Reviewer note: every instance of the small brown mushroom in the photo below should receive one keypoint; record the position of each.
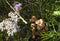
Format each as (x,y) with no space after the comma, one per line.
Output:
(41,25)
(33,19)
(33,30)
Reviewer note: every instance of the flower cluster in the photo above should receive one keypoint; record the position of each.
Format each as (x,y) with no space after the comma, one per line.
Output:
(10,24)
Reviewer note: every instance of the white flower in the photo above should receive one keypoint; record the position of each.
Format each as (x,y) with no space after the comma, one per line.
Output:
(10,24)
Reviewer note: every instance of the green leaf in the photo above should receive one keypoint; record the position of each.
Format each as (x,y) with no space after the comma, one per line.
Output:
(56,13)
